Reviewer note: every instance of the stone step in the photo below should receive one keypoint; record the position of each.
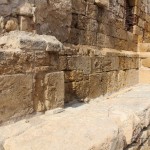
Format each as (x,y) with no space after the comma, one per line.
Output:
(117,123)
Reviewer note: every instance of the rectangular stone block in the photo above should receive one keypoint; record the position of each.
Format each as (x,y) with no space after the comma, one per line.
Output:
(95,85)
(110,82)
(15,96)
(110,63)
(144,47)
(132,77)
(54,90)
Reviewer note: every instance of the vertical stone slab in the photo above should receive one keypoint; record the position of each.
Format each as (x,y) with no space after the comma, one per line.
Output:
(15,96)
(96,85)
(132,77)
(54,90)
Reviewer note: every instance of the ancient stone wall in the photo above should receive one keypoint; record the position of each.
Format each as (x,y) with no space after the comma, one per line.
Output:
(40,16)
(98,55)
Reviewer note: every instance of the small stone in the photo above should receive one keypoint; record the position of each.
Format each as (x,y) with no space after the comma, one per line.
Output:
(54,111)
(11,25)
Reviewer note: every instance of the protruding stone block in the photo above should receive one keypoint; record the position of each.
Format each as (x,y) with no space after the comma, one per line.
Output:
(15,96)
(29,41)
(54,90)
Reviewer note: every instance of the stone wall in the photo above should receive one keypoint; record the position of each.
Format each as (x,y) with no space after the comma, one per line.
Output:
(29,76)
(40,16)
(98,55)
(87,22)
(90,73)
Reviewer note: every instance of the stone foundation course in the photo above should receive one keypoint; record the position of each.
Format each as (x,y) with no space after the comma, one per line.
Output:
(39,73)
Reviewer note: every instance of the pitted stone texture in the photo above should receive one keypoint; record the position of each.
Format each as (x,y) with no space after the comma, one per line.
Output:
(54,90)
(146,62)
(29,41)
(15,96)
(113,123)
(57,17)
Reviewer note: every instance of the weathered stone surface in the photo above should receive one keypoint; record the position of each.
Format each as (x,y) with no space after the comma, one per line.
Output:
(57,15)
(144,47)
(113,123)
(96,85)
(24,40)
(3,2)
(26,10)
(15,96)
(146,62)
(11,25)
(54,90)
(132,77)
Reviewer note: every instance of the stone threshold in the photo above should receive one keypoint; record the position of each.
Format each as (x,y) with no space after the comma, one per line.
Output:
(119,122)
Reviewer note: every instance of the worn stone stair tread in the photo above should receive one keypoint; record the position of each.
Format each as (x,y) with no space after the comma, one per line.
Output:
(101,124)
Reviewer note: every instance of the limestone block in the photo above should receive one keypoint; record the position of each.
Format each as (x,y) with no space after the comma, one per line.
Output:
(46,11)
(121,79)
(79,6)
(26,23)
(146,62)
(97,64)
(11,25)
(132,77)
(3,2)
(6,10)
(96,85)
(81,89)
(25,40)
(124,62)
(110,80)
(110,63)
(26,10)
(74,75)
(53,45)
(102,3)
(79,63)
(84,64)
(54,90)
(15,96)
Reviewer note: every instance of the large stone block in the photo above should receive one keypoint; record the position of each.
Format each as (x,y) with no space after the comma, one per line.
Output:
(146,62)
(48,91)
(110,63)
(95,85)
(57,15)
(54,90)
(144,47)
(15,96)
(132,77)
(102,3)
(29,41)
